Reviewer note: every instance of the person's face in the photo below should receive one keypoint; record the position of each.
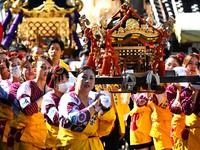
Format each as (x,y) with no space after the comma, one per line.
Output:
(86,80)
(3,67)
(38,50)
(63,79)
(15,62)
(192,66)
(55,51)
(2,58)
(171,63)
(42,69)
(28,71)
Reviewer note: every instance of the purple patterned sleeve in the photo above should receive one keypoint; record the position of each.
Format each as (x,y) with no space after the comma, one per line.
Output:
(73,114)
(171,92)
(13,91)
(49,108)
(187,102)
(77,115)
(52,115)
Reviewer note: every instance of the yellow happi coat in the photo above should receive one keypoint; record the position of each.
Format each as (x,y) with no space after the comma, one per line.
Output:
(178,124)
(33,127)
(6,115)
(64,65)
(161,124)
(89,137)
(121,109)
(193,142)
(52,132)
(143,123)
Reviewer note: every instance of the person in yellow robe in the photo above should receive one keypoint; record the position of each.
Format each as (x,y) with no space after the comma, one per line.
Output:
(6,115)
(140,124)
(30,119)
(161,121)
(84,116)
(190,105)
(57,80)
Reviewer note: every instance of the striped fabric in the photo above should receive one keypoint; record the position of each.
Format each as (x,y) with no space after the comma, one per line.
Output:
(27,95)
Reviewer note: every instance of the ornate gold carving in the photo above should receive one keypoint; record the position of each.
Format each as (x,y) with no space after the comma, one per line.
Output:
(41,27)
(47,9)
(45,21)
(134,30)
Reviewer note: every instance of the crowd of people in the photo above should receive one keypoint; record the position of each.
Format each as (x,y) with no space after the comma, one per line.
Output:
(44,106)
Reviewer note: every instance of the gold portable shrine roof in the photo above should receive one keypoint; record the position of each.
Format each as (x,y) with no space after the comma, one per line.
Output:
(47,9)
(47,21)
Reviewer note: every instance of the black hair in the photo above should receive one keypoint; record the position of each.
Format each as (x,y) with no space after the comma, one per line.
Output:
(17,47)
(2,47)
(28,59)
(60,42)
(53,76)
(7,63)
(80,70)
(43,57)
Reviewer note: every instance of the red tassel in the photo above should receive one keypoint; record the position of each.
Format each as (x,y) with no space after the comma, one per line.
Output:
(115,58)
(91,61)
(161,68)
(105,70)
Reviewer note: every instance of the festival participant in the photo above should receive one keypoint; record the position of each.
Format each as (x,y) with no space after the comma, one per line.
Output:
(173,98)
(174,61)
(36,51)
(161,120)
(140,114)
(4,65)
(141,122)
(6,114)
(20,49)
(4,75)
(83,119)
(27,74)
(55,51)
(57,79)
(190,104)
(191,63)
(30,119)
(27,68)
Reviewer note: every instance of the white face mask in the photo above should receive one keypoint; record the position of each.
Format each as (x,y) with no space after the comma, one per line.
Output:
(63,87)
(16,72)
